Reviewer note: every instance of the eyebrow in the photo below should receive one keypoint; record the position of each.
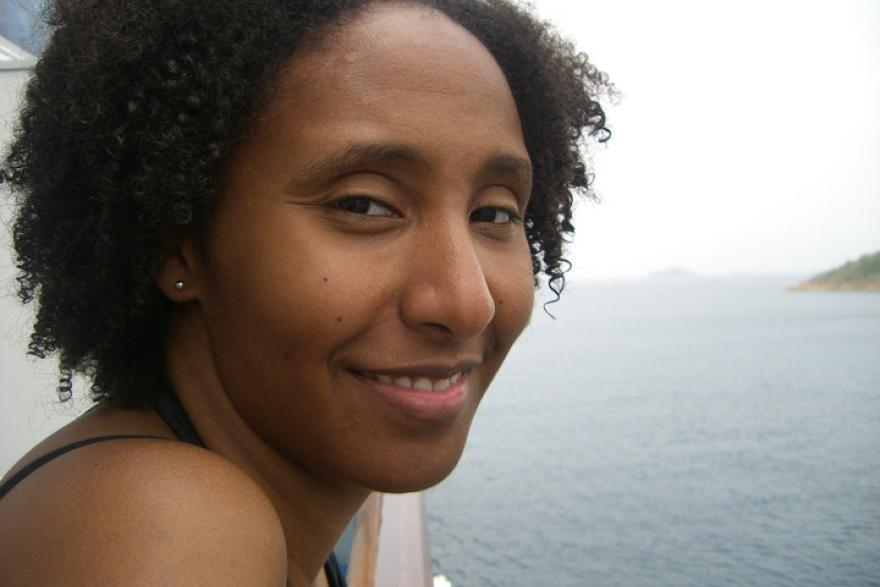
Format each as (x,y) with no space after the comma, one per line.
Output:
(370,155)
(511,165)
(362,155)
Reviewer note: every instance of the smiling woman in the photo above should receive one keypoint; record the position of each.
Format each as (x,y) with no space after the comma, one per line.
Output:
(301,236)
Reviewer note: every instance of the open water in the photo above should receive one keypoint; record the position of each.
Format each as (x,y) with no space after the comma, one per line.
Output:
(674,433)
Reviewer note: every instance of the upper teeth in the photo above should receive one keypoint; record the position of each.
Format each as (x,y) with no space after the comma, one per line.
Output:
(424,383)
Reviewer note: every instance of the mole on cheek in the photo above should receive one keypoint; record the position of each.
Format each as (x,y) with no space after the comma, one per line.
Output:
(339,319)
(326,279)
(500,302)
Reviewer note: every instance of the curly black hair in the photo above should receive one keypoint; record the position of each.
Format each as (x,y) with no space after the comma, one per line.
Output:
(132,110)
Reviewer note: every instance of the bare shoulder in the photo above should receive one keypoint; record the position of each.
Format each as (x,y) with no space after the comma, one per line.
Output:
(140,512)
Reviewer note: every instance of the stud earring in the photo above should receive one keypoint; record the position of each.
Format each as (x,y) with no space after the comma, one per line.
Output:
(178,285)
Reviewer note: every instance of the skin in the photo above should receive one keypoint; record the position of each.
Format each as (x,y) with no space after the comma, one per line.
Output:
(367,224)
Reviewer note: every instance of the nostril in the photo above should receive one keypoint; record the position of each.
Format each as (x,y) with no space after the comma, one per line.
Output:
(440,329)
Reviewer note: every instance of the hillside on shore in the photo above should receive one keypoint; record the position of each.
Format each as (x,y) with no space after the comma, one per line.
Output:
(862,274)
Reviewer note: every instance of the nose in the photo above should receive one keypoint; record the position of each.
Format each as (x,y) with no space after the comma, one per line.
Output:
(447,296)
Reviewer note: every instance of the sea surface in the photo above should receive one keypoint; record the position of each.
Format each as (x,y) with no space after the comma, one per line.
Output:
(675,432)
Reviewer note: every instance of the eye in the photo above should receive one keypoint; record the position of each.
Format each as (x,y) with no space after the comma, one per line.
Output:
(362,205)
(494,215)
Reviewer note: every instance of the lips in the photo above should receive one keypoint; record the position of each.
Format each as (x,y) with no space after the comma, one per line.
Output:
(420,395)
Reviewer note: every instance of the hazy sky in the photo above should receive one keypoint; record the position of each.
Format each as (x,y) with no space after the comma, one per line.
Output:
(746,138)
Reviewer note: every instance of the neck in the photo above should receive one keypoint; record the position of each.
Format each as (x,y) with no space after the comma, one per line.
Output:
(313,512)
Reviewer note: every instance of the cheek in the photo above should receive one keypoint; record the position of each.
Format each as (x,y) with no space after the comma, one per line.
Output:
(514,293)
(301,311)
(276,271)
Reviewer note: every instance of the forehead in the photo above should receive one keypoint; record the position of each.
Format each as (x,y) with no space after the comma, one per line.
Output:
(393,63)
(389,38)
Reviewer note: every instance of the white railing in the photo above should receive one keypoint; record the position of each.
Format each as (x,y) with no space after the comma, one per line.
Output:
(390,547)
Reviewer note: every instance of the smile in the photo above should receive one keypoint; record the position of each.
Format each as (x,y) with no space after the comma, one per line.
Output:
(435,397)
(416,382)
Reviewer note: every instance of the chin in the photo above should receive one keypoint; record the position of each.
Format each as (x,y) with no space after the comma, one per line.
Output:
(408,482)
(415,469)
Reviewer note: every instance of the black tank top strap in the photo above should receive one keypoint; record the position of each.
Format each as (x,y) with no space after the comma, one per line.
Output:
(172,413)
(19,476)
(169,409)
(335,578)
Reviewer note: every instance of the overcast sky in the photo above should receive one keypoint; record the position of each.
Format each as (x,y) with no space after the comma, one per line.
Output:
(746,138)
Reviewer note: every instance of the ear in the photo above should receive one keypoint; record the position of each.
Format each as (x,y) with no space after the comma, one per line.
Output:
(177,273)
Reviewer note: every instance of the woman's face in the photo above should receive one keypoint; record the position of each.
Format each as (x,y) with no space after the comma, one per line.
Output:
(368,245)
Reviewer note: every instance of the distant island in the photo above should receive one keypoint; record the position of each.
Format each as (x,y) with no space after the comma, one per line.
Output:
(862,274)
(674,272)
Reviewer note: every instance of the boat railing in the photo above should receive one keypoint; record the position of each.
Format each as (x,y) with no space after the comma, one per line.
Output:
(390,547)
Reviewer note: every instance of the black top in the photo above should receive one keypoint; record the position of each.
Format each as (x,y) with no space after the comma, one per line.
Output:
(175,417)
(35,464)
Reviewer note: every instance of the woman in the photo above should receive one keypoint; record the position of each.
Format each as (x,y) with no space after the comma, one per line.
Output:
(301,235)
